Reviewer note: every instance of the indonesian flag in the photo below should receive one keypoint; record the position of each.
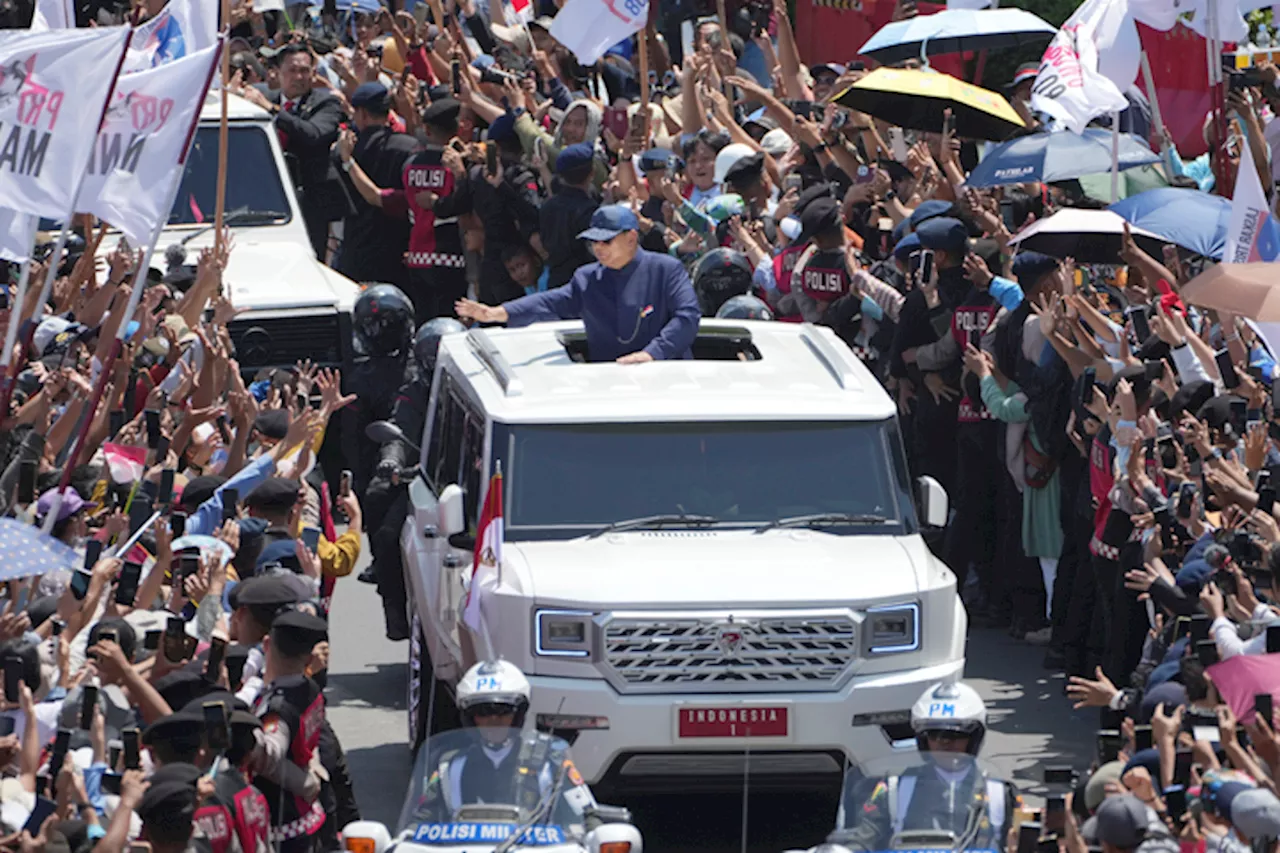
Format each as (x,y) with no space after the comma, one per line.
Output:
(125,462)
(486,571)
(1252,232)
(523,10)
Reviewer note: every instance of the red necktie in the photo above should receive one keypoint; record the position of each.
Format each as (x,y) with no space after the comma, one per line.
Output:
(286,107)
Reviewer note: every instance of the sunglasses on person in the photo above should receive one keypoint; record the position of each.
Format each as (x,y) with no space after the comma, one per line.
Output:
(946,736)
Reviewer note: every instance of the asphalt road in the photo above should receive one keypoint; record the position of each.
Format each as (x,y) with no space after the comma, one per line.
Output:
(1031,725)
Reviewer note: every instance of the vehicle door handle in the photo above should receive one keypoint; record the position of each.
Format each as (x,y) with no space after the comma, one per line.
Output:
(452,561)
(430,532)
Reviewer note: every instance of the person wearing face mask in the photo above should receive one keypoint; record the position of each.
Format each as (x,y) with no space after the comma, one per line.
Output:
(636,306)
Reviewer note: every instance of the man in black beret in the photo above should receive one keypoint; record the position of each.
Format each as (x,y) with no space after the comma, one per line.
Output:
(278,502)
(292,713)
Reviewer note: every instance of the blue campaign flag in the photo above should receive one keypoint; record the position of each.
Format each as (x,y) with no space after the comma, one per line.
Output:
(26,552)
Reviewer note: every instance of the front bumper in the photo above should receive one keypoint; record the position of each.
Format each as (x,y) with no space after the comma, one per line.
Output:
(642,744)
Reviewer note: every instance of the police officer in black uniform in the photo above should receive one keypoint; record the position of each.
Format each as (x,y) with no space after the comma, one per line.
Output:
(382,329)
(387,496)
(718,276)
(291,708)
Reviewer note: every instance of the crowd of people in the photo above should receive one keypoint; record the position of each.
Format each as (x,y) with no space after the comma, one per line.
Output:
(1107,446)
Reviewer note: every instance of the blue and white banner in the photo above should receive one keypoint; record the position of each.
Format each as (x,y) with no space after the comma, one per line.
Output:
(182,27)
(591,27)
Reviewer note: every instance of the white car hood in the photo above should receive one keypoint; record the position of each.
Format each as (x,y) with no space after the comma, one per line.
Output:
(679,569)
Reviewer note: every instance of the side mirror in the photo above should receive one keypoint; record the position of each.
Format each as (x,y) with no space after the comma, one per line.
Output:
(615,838)
(933,502)
(451,516)
(365,836)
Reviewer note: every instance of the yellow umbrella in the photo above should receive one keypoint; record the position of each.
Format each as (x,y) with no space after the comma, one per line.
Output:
(916,99)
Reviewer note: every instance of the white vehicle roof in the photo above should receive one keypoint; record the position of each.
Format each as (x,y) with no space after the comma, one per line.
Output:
(805,372)
(238,109)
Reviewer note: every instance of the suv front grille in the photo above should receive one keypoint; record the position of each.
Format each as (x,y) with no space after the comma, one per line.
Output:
(729,652)
(277,340)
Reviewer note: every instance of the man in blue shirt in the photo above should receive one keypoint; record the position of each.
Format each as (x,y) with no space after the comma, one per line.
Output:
(637,306)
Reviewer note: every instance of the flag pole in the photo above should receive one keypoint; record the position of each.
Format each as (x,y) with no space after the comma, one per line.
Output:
(220,199)
(645,88)
(1154,98)
(1115,157)
(135,298)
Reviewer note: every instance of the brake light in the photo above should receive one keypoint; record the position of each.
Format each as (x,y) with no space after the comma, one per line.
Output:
(359,845)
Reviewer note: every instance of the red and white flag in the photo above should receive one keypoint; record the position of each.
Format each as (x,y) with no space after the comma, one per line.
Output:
(53,86)
(486,567)
(125,462)
(142,145)
(523,10)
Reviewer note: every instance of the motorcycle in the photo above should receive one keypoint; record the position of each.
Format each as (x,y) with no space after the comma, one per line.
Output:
(564,819)
(936,802)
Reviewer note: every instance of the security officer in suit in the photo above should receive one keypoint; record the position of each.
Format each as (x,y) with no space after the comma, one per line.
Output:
(947,792)
(306,121)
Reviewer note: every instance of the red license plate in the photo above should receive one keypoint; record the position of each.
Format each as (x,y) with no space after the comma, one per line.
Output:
(733,722)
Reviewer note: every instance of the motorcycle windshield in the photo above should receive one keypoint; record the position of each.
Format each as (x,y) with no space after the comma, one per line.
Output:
(480,786)
(935,802)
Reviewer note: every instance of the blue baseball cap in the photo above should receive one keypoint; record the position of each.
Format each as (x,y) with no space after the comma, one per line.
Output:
(931,209)
(610,221)
(503,126)
(1029,266)
(907,245)
(574,156)
(943,233)
(369,94)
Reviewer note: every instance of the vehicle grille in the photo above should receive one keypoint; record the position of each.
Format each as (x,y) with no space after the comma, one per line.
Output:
(730,653)
(269,340)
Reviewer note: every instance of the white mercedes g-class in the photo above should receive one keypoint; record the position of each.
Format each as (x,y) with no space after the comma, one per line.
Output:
(706,562)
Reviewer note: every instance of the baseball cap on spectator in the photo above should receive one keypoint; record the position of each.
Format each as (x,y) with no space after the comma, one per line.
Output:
(502,127)
(907,245)
(656,159)
(273,423)
(826,68)
(1193,575)
(71,504)
(1026,71)
(274,494)
(1218,792)
(761,119)
(745,169)
(729,156)
(574,157)
(1190,397)
(1171,694)
(370,95)
(777,142)
(943,232)
(1122,821)
(1149,759)
(823,214)
(1029,266)
(610,221)
(200,489)
(931,209)
(442,112)
(1256,814)
(1095,790)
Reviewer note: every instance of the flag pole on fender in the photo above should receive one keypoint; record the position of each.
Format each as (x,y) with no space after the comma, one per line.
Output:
(139,282)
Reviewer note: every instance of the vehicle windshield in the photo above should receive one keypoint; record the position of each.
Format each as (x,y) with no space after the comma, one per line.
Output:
(935,801)
(479,785)
(253,181)
(737,473)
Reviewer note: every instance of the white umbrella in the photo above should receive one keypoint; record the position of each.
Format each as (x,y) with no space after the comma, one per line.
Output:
(1089,236)
(955,31)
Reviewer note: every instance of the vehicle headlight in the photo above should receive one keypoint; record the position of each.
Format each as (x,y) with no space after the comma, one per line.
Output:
(562,633)
(893,628)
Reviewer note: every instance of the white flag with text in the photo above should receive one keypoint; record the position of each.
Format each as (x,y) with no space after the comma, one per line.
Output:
(591,27)
(1070,87)
(53,15)
(181,28)
(142,145)
(53,85)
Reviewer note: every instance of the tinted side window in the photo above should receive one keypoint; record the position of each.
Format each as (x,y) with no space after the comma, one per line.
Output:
(471,476)
(435,442)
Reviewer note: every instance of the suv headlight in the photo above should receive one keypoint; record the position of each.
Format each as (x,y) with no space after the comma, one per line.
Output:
(893,628)
(562,633)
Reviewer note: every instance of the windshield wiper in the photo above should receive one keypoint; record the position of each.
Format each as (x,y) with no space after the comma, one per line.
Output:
(820,519)
(240,216)
(656,521)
